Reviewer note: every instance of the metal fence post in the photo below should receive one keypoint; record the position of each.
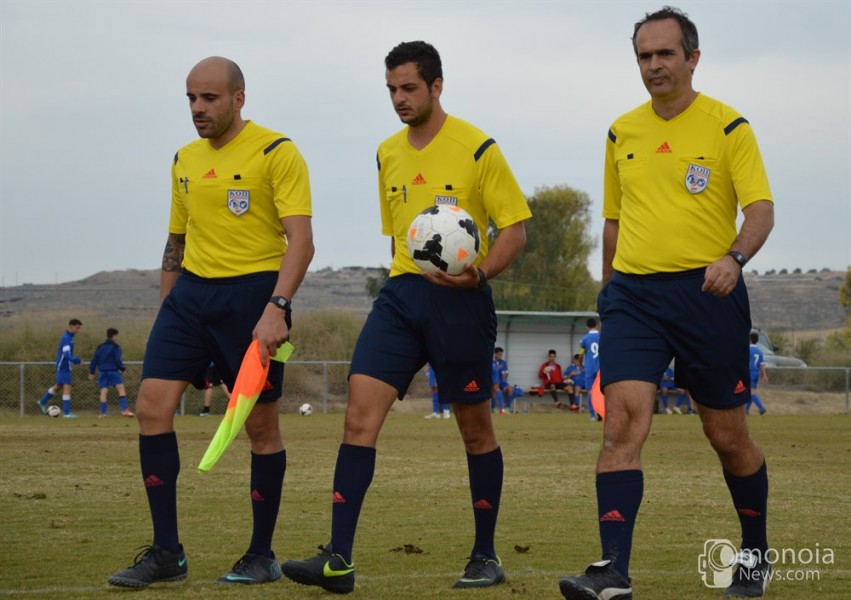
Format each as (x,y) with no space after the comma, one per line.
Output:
(324,388)
(847,390)
(21,389)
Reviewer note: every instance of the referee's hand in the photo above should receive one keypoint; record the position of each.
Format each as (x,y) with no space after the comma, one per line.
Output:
(721,276)
(270,332)
(468,278)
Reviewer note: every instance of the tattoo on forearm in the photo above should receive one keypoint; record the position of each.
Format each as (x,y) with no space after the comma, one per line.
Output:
(173,254)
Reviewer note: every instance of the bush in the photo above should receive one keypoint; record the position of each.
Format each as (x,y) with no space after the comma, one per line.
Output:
(807,350)
(317,335)
(325,334)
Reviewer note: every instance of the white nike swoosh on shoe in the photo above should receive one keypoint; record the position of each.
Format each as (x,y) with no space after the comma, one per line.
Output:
(609,593)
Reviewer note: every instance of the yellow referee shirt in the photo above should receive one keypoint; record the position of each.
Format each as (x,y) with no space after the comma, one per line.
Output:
(229,202)
(462,167)
(675,186)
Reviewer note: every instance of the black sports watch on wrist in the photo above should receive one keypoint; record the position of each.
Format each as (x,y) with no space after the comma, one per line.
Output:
(281,302)
(739,258)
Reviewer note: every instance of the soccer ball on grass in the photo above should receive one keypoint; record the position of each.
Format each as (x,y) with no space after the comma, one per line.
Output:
(305,410)
(443,238)
(53,411)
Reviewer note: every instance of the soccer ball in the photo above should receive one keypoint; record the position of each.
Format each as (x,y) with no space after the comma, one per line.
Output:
(54,411)
(305,410)
(443,238)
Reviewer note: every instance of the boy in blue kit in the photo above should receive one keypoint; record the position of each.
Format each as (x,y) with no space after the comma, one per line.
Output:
(64,359)
(757,364)
(503,394)
(665,386)
(107,360)
(574,377)
(437,407)
(589,358)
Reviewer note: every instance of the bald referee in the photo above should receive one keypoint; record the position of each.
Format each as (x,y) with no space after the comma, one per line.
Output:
(239,243)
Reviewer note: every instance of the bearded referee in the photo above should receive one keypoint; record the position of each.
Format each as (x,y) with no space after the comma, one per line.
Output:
(447,321)
(239,243)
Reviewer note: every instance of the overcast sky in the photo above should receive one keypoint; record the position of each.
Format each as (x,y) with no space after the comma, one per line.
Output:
(93,108)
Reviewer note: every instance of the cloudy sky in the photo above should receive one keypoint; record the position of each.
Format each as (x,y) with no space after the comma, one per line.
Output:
(92,109)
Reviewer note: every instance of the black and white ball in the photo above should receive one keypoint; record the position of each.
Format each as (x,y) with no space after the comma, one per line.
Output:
(443,238)
(305,410)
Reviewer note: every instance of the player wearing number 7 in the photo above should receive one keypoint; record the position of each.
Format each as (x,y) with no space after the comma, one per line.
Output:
(64,359)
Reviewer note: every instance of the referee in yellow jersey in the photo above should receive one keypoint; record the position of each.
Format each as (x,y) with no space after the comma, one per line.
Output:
(444,320)
(239,243)
(677,170)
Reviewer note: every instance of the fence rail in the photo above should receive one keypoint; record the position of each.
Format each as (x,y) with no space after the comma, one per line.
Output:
(814,390)
(320,383)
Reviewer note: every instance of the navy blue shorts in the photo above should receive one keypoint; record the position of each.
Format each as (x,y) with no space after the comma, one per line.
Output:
(107,379)
(413,322)
(204,320)
(649,319)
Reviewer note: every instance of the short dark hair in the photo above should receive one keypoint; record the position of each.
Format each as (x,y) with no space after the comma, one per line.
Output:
(754,337)
(75,322)
(111,332)
(687,27)
(575,357)
(423,54)
(498,349)
(591,322)
(551,351)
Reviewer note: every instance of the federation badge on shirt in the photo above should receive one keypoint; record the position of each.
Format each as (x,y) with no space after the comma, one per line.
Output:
(239,201)
(697,178)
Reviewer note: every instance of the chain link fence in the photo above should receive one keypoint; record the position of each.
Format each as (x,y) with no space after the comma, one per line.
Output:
(323,384)
(810,391)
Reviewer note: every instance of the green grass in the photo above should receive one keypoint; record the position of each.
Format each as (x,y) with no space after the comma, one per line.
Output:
(74,508)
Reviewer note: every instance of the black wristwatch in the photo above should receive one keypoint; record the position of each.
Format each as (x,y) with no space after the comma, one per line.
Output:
(739,258)
(281,302)
(483,280)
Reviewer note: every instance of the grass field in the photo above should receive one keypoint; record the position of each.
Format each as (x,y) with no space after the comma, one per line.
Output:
(74,507)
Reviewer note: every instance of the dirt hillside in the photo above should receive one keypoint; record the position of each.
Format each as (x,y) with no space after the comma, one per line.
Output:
(779,302)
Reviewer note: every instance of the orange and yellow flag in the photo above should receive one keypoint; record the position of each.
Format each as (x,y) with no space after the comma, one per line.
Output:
(249,383)
(598,401)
